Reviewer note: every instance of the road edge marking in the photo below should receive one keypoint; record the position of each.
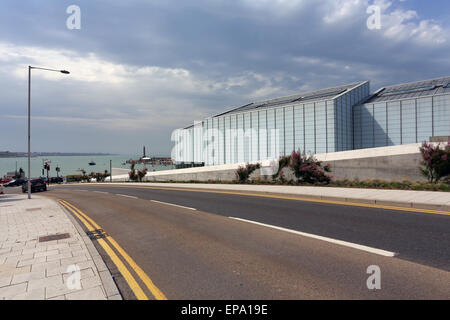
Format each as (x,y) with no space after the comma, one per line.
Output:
(380,252)
(155,291)
(137,290)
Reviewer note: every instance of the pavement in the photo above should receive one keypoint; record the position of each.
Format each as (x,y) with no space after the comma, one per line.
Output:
(193,243)
(404,198)
(37,268)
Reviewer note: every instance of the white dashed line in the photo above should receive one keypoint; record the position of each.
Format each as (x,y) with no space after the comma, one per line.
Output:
(313,236)
(174,205)
(127,196)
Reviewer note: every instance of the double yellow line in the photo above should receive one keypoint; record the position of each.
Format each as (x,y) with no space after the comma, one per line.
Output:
(92,227)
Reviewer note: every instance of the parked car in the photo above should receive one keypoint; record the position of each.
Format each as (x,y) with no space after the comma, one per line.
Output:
(37,184)
(5,180)
(1,189)
(15,183)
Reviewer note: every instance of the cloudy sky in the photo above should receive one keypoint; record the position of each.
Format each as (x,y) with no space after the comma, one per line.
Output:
(141,68)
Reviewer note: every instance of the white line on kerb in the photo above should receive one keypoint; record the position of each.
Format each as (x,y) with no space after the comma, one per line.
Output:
(339,242)
(124,195)
(175,205)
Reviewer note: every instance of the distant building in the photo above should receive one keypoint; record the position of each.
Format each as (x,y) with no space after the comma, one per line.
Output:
(329,120)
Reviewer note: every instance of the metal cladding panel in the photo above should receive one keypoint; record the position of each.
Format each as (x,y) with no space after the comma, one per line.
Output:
(394,124)
(263,137)
(240,137)
(331,126)
(299,130)
(221,141)
(310,128)
(279,124)
(367,124)
(380,125)
(321,127)
(424,119)
(216,141)
(357,127)
(289,130)
(408,121)
(227,140)
(255,136)
(441,114)
(271,141)
(247,136)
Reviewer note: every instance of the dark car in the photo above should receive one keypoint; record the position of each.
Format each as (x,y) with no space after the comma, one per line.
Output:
(36,185)
(15,183)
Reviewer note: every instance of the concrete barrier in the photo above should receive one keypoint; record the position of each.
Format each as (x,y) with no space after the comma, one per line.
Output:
(394,163)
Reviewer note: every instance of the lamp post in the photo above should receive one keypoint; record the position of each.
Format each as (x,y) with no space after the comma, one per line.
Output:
(29,121)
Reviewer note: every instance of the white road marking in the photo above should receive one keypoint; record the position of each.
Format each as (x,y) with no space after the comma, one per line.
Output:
(101,192)
(313,236)
(175,205)
(127,196)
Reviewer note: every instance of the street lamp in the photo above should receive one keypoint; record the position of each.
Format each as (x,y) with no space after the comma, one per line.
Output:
(29,120)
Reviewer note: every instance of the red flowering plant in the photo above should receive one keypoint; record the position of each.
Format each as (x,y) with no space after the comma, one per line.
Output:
(243,173)
(307,169)
(435,163)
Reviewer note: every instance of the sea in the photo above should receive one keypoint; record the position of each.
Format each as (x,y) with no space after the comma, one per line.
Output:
(72,164)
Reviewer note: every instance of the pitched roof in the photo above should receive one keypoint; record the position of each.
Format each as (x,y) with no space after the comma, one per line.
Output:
(312,96)
(412,90)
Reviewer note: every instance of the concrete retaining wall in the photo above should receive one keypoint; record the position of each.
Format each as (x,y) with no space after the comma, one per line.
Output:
(387,163)
(390,168)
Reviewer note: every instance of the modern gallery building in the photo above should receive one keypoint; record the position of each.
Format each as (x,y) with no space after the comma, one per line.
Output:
(324,121)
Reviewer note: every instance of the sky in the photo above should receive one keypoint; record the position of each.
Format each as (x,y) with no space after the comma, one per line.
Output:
(142,68)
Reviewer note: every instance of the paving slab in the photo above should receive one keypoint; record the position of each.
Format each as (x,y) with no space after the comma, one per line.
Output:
(35,270)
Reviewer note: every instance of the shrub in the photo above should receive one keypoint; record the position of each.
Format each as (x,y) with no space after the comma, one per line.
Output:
(137,175)
(85,177)
(435,163)
(283,162)
(243,173)
(132,174)
(307,169)
(100,177)
(141,174)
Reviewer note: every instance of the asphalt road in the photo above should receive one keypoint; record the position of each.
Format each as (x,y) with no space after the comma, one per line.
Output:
(204,254)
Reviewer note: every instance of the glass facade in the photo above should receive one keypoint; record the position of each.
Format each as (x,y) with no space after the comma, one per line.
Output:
(399,122)
(315,126)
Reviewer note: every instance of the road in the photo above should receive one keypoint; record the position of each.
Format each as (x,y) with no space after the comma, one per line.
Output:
(191,245)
